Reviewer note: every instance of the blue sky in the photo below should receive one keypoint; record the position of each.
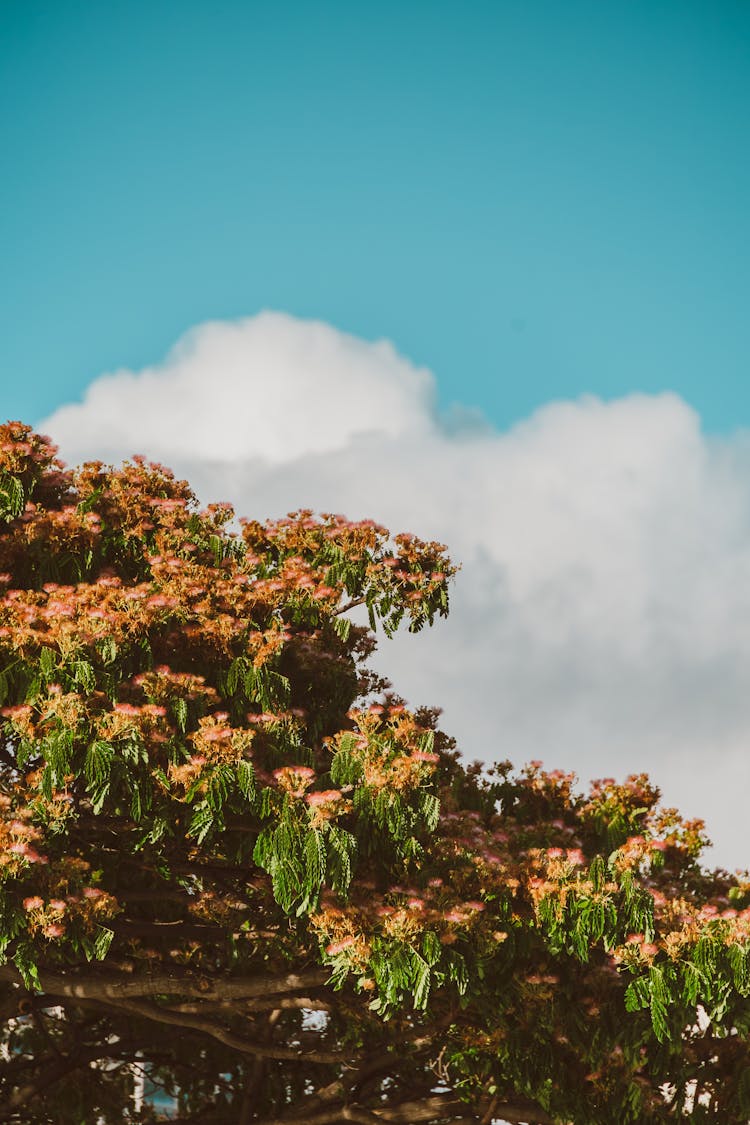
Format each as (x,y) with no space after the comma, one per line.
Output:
(535,200)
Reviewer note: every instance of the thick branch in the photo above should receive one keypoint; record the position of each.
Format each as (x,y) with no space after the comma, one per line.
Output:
(427,1109)
(308,1003)
(332,1116)
(106,988)
(521,1112)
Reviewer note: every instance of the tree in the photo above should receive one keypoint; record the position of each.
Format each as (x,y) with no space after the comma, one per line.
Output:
(232,858)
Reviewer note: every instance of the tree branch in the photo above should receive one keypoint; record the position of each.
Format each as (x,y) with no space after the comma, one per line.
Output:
(228,1038)
(239,1004)
(113,988)
(349,605)
(410,1113)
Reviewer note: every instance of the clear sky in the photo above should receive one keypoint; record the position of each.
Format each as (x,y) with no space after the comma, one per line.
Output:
(533,199)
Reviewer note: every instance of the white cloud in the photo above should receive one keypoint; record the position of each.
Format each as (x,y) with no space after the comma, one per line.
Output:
(258,387)
(601,621)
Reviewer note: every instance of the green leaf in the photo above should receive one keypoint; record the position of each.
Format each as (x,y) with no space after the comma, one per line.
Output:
(12,497)
(102,942)
(739,959)
(429,809)
(246,779)
(637,995)
(180,712)
(47,663)
(597,872)
(342,848)
(421,983)
(263,849)
(314,857)
(108,650)
(659,995)
(342,627)
(346,766)
(97,763)
(83,676)
(24,961)
(693,981)
(201,822)
(99,794)
(217,547)
(431,947)
(136,803)
(236,670)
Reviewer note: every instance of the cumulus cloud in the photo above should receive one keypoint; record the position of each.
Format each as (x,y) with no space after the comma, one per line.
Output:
(267,387)
(601,620)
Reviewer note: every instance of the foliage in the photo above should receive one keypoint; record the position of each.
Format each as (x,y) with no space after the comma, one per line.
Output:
(215,818)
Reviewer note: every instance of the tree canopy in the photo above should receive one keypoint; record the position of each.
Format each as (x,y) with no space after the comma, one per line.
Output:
(231,857)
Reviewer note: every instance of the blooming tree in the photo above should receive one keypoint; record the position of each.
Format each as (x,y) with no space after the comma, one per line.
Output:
(231,858)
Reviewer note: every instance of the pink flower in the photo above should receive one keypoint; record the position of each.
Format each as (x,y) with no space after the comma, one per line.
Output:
(339,946)
(425,756)
(54,930)
(294,779)
(216,734)
(33,903)
(127,709)
(323,797)
(304,772)
(35,857)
